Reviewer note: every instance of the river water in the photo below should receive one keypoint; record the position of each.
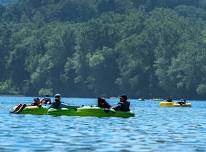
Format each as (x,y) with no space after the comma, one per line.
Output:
(153,129)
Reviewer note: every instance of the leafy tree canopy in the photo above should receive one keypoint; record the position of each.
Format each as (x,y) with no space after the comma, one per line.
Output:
(91,48)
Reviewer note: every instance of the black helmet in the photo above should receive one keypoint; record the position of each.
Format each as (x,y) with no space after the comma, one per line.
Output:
(124,97)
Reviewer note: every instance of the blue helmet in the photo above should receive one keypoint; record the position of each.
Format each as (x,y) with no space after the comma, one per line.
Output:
(36,99)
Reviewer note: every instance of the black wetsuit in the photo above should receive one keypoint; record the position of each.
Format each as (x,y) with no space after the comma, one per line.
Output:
(47,100)
(122,106)
(55,105)
(169,100)
(182,102)
(58,105)
(103,104)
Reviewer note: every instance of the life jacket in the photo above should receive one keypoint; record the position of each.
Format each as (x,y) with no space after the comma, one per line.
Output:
(123,106)
(55,105)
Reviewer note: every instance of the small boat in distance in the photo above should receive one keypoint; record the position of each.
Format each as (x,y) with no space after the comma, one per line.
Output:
(141,99)
(157,99)
(174,104)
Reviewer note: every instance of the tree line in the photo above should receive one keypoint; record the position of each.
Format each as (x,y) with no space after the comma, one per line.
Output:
(91,48)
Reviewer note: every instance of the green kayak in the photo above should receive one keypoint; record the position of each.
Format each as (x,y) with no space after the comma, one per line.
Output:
(35,110)
(74,111)
(89,111)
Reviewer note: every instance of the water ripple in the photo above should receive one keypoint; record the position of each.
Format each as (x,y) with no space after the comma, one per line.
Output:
(152,129)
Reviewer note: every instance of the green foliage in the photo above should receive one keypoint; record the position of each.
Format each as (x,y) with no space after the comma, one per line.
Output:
(201,89)
(7,88)
(90,48)
(44,91)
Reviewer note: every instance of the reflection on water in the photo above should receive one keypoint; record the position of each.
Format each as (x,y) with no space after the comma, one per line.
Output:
(152,129)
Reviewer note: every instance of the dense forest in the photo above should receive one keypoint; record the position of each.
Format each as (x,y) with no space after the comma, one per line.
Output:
(6,2)
(89,48)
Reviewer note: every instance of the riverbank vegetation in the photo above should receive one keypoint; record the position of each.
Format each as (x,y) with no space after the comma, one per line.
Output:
(90,48)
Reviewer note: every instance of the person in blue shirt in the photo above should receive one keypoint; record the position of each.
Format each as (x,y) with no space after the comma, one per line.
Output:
(57,104)
(123,105)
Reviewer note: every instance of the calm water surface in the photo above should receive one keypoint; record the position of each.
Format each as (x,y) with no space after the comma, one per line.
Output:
(152,129)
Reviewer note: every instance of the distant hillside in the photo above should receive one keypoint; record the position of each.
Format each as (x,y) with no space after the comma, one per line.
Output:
(90,48)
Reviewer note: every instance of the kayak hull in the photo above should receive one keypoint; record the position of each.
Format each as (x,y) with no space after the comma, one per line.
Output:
(34,110)
(174,104)
(72,111)
(89,111)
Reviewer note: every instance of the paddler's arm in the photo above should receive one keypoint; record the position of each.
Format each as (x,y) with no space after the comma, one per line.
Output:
(118,107)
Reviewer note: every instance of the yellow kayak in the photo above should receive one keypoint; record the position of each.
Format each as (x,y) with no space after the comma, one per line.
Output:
(174,104)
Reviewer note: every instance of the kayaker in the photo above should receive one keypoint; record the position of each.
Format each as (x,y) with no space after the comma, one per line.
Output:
(182,101)
(58,104)
(123,105)
(46,100)
(36,102)
(102,103)
(169,99)
(20,107)
(57,101)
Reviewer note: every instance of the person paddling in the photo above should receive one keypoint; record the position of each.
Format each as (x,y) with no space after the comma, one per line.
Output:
(57,104)
(36,102)
(169,99)
(123,104)
(182,101)
(20,107)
